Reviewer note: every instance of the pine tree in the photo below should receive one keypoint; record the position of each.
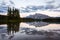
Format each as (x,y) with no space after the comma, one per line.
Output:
(13,13)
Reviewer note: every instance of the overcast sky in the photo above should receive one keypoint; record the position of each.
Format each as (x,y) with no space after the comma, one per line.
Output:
(20,3)
(23,3)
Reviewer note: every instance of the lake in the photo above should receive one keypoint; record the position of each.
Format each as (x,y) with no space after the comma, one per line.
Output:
(30,31)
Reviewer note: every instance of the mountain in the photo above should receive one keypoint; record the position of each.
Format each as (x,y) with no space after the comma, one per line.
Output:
(38,16)
(4,5)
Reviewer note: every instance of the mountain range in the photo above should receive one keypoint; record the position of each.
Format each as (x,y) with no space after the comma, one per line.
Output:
(38,16)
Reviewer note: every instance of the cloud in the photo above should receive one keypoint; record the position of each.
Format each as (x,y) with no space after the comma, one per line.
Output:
(11,2)
(52,1)
(4,6)
(50,5)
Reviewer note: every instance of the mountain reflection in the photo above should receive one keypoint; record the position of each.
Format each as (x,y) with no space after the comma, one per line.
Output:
(12,28)
(38,24)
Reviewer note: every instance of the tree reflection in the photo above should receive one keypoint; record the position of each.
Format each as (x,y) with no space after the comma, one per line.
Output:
(12,28)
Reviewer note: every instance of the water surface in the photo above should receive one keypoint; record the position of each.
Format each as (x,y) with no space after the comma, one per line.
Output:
(30,31)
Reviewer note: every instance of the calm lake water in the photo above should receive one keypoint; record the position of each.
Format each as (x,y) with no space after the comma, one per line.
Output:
(30,31)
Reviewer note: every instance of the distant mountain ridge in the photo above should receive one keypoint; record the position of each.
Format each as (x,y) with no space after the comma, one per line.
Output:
(38,16)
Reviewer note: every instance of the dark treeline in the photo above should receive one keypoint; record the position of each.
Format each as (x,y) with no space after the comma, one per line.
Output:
(52,19)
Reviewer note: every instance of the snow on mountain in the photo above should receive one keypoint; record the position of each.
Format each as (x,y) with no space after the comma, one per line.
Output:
(38,16)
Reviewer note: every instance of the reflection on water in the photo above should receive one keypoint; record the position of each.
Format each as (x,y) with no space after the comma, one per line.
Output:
(12,28)
(30,31)
(38,24)
(8,31)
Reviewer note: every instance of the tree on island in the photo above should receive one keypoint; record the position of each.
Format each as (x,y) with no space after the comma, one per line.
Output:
(13,13)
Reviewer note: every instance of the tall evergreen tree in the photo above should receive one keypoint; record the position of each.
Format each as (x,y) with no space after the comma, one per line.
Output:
(13,13)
